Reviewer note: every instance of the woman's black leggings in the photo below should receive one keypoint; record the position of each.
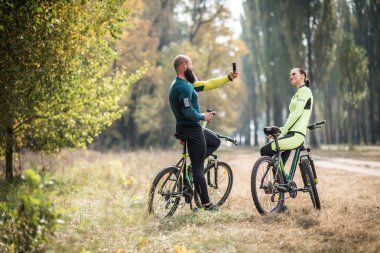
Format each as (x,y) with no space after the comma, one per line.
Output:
(196,145)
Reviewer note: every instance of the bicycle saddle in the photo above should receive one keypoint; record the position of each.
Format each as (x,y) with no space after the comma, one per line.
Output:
(180,136)
(272,131)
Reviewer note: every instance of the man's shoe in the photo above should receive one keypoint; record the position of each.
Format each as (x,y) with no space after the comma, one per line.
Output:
(210,208)
(284,209)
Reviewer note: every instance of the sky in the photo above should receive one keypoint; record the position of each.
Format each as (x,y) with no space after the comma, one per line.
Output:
(236,7)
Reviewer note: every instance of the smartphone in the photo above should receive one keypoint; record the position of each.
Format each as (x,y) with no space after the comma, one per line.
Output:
(234,67)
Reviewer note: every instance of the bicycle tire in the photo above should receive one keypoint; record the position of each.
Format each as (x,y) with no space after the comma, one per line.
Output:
(220,194)
(308,180)
(266,197)
(164,204)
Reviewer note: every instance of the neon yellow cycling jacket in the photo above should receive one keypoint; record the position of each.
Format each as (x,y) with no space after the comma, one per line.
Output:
(300,108)
(210,84)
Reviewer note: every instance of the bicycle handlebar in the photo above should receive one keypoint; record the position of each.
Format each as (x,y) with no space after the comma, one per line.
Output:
(233,141)
(315,125)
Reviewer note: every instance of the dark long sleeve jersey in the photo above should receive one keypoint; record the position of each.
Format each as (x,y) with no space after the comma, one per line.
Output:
(183,99)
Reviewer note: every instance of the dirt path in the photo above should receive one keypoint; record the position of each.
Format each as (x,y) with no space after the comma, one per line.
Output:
(353,165)
(247,158)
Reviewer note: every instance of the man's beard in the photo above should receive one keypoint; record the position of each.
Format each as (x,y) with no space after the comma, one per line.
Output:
(190,76)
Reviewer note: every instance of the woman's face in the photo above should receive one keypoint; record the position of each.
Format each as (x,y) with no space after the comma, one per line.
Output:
(296,78)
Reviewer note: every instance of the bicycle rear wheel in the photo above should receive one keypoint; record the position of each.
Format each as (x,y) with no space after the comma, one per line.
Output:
(308,180)
(219,183)
(164,195)
(265,194)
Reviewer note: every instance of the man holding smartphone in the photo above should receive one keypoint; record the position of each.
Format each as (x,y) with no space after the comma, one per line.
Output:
(183,100)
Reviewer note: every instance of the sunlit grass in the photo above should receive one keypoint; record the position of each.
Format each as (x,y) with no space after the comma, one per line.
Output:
(106,198)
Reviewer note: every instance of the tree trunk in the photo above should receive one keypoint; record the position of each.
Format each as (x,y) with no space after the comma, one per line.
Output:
(9,154)
(255,123)
(350,123)
(363,122)
(267,113)
(327,112)
(277,113)
(313,137)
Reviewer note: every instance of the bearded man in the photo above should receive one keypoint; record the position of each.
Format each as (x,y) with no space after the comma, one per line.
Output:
(183,100)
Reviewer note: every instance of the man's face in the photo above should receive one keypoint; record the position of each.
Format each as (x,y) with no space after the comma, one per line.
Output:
(189,74)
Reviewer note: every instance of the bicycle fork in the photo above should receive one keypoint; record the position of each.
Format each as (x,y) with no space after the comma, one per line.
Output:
(213,161)
(311,161)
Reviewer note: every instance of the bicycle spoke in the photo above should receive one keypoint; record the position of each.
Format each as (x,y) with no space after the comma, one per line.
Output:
(219,183)
(215,192)
(164,194)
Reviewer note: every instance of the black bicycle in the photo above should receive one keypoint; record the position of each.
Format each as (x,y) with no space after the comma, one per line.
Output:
(269,181)
(176,182)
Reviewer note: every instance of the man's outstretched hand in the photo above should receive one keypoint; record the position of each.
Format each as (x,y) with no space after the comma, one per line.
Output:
(232,75)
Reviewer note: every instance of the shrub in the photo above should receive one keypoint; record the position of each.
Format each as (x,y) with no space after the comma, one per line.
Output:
(28,217)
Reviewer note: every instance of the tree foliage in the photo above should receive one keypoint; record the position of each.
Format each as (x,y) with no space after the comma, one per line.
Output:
(161,32)
(56,86)
(337,43)
(352,67)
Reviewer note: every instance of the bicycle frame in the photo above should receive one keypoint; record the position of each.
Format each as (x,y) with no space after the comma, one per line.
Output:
(296,158)
(182,166)
(182,162)
(293,167)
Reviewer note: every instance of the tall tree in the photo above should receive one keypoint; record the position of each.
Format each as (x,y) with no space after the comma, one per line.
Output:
(270,55)
(353,82)
(324,46)
(55,91)
(367,35)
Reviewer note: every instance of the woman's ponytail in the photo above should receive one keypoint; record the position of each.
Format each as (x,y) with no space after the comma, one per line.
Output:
(307,82)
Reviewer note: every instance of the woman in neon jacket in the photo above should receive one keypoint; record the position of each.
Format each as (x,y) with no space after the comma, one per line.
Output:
(294,131)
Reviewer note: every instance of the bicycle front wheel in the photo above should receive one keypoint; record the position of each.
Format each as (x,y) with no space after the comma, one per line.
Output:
(264,186)
(164,195)
(308,180)
(219,182)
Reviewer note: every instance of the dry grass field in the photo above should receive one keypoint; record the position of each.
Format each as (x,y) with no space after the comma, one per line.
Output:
(105,196)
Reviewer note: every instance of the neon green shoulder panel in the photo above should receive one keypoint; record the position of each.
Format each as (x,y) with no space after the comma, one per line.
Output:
(210,84)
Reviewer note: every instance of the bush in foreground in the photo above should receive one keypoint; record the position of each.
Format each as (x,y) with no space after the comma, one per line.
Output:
(28,217)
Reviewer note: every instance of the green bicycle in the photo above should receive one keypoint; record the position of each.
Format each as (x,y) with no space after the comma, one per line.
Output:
(175,182)
(269,182)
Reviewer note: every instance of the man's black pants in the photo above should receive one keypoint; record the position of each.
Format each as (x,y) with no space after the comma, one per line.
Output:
(196,145)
